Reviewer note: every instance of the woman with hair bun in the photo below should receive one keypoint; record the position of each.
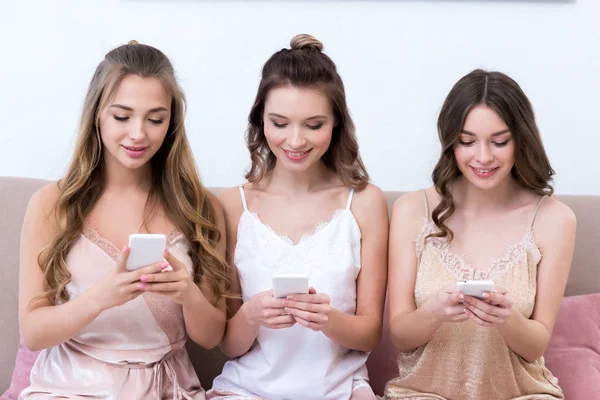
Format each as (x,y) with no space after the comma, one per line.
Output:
(306,169)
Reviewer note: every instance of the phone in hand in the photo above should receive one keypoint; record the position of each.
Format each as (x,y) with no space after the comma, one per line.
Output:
(286,284)
(475,288)
(145,249)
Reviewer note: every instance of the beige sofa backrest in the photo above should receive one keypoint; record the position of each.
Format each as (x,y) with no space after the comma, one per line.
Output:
(15,193)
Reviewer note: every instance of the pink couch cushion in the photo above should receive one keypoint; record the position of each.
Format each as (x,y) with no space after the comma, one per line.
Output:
(20,377)
(573,354)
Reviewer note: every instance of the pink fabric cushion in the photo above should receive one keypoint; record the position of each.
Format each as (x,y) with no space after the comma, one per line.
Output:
(573,354)
(20,378)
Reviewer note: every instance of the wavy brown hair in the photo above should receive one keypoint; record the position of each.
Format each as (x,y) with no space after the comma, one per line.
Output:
(503,95)
(305,65)
(175,182)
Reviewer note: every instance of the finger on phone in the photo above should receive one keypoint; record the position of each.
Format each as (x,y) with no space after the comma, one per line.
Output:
(281,319)
(450,288)
(153,269)
(122,260)
(172,260)
(456,298)
(272,302)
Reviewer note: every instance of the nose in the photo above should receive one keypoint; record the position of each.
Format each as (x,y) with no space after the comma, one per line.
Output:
(484,154)
(137,130)
(297,139)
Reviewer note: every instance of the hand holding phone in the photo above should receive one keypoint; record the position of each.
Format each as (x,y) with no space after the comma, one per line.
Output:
(492,311)
(286,284)
(119,285)
(475,288)
(309,310)
(264,309)
(446,305)
(145,249)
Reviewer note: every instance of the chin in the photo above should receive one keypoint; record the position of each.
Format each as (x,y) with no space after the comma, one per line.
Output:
(487,183)
(295,166)
(133,164)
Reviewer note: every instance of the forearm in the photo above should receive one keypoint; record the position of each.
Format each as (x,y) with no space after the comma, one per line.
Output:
(528,338)
(204,323)
(413,329)
(49,326)
(356,332)
(239,335)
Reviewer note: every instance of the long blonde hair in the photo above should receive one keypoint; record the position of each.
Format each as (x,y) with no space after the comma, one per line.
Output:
(174,176)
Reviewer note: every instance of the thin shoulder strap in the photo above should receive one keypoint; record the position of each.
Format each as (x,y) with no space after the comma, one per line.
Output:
(537,207)
(350,196)
(426,205)
(241,187)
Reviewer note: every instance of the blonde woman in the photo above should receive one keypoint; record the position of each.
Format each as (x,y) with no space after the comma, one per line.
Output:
(107,333)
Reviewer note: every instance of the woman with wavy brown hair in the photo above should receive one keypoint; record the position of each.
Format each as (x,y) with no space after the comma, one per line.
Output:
(305,169)
(106,332)
(493,218)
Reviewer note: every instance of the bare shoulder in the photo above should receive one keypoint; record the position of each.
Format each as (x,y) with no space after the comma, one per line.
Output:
(554,219)
(370,196)
(413,204)
(370,209)
(43,202)
(408,212)
(231,200)
(214,199)
(216,204)
(232,209)
(40,221)
(369,202)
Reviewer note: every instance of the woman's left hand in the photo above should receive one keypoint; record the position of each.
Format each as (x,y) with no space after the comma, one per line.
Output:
(176,283)
(310,310)
(493,310)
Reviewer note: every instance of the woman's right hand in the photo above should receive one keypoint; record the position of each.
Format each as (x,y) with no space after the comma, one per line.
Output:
(447,305)
(120,285)
(268,311)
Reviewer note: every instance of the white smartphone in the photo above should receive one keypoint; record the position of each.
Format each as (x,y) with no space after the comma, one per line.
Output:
(145,249)
(286,284)
(475,288)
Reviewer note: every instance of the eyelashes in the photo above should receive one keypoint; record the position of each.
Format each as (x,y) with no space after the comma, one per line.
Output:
(498,144)
(312,127)
(123,119)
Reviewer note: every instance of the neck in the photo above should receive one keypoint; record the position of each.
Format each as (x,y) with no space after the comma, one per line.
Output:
(284,180)
(475,200)
(118,178)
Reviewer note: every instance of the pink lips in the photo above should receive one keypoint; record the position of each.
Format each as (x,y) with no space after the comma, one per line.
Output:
(484,172)
(135,151)
(296,155)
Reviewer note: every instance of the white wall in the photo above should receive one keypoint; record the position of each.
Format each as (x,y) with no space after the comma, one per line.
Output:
(398,59)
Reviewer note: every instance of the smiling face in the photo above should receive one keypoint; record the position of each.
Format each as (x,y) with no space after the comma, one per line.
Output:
(485,150)
(298,126)
(135,122)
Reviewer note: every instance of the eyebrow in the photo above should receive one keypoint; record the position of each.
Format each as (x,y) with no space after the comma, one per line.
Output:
(493,134)
(307,119)
(122,107)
